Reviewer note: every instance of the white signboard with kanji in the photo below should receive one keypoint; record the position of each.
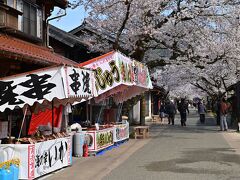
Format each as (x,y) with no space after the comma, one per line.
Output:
(41,158)
(36,86)
(115,74)
(78,82)
(42,85)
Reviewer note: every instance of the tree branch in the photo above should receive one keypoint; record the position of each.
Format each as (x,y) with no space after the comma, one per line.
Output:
(116,43)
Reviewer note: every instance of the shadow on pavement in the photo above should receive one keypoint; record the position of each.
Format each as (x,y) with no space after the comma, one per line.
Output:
(191,160)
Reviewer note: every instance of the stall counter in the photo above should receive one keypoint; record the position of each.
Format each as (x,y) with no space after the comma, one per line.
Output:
(40,158)
(99,139)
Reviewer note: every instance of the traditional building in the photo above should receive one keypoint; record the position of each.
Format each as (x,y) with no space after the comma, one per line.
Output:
(69,45)
(23,36)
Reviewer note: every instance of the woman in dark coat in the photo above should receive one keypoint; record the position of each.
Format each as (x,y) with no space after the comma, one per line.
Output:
(162,111)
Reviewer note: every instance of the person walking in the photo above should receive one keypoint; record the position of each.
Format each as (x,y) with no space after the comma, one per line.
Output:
(183,109)
(223,114)
(201,111)
(171,111)
(162,111)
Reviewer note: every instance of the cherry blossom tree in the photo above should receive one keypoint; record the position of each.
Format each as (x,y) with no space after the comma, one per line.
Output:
(195,41)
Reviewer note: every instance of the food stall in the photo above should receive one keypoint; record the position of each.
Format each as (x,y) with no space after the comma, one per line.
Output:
(33,92)
(119,78)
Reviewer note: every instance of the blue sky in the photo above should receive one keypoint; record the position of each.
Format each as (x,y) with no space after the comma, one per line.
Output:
(73,18)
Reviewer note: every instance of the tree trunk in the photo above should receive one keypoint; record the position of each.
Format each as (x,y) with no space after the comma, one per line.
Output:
(142,111)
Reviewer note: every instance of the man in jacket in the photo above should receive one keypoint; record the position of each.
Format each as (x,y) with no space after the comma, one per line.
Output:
(183,109)
(171,111)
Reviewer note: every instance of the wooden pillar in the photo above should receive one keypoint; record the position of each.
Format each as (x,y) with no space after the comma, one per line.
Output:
(52,116)
(10,128)
(90,109)
(87,110)
(142,111)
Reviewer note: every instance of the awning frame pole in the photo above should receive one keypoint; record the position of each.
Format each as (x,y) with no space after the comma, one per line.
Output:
(23,120)
(52,115)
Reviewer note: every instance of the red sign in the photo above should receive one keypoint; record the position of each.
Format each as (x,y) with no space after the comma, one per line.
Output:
(69,152)
(31,161)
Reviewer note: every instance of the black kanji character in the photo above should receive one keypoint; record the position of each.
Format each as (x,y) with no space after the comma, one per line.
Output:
(37,161)
(66,146)
(41,160)
(61,152)
(115,71)
(108,77)
(39,86)
(45,158)
(86,80)
(135,71)
(76,84)
(7,94)
(100,80)
(49,158)
(56,153)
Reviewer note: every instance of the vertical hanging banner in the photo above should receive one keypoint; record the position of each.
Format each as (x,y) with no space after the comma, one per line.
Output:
(141,76)
(125,66)
(78,82)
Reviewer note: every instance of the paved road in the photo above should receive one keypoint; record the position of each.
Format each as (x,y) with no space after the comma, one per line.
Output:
(195,152)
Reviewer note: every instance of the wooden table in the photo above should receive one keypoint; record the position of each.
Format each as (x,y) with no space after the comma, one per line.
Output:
(155,118)
(141,131)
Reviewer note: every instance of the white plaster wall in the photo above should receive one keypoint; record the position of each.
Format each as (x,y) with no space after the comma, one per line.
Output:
(136,112)
(149,116)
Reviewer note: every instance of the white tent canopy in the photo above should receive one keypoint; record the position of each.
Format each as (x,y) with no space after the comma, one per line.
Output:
(62,83)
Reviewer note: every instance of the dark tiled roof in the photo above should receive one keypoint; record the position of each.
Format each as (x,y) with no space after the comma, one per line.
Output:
(87,26)
(65,37)
(26,51)
(59,3)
